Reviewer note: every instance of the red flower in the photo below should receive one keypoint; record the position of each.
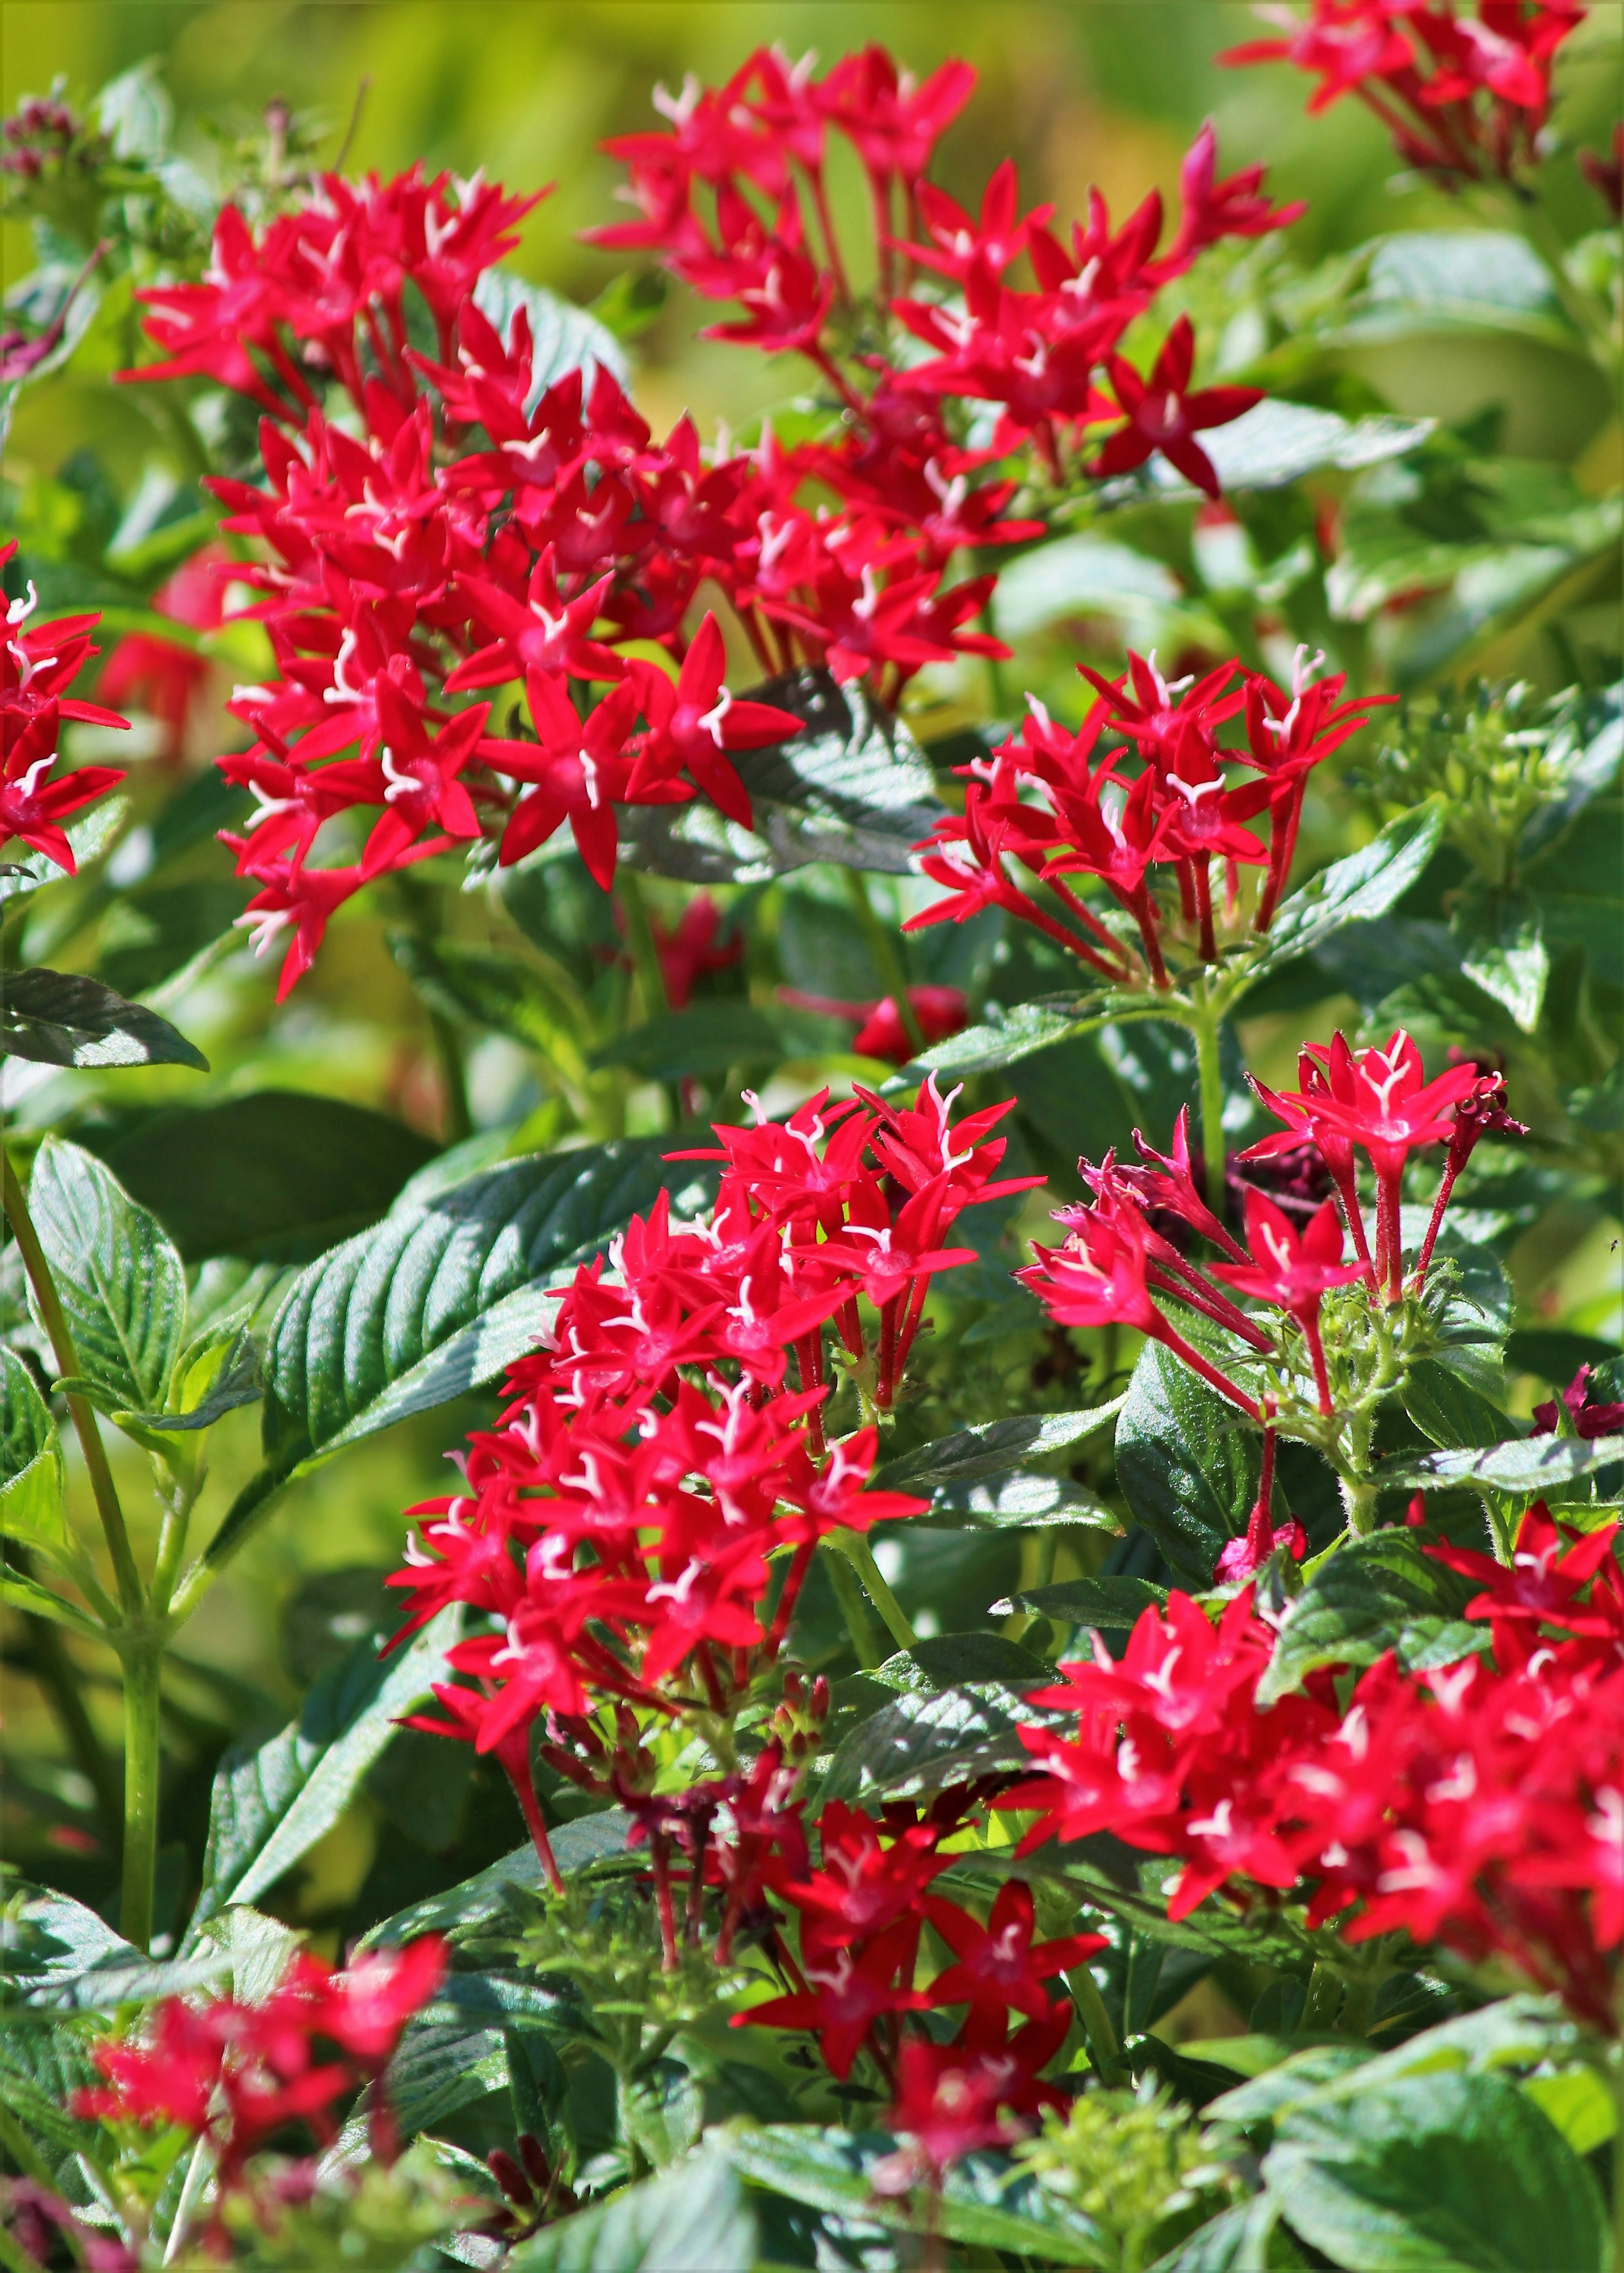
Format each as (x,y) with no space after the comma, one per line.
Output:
(1163,415)
(693,724)
(845,1995)
(1588,1421)
(32,807)
(998,1965)
(162,676)
(580,770)
(1293,1272)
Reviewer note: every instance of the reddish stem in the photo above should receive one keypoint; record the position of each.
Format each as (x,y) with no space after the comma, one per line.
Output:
(1172,1339)
(660,1847)
(1309,1321)
(1203,910)
(524,1791)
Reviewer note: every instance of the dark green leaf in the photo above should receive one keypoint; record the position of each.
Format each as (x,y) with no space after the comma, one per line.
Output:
(1112,1603)
(852,787)
(56,1017)
(1526,1468)
(946,1660)
(1009,1036)
(1356,890)
(41,2069)
(990,1450)
(1372,1594)
(438,2070)
(153,931)
(1247,2238)
(1442,2174)
(447,1291)
(579,1845)
(121,1282)
(704,1041)
(1188,1462)
(59,1957)
(1446,1409)
(694,2218)
(274,1801)
(984,2202)
(277,1175)
(927,1741)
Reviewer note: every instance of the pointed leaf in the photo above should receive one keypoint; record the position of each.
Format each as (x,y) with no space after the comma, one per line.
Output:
(1527,1467)
(585,1844)
(447,1290)
(272,1802)
(31,1464)
(56,1017)
(694,2217)
(1187,1460)
(927,1740)
(121,1282)
(1371,1596)
(1503,950)
(1356,890)
(1113,1602)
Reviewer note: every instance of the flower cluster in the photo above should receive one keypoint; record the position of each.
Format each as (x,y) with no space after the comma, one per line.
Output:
(1461,93)
(238,2073)
(1126,1245)
(724,199)
(862,1914)
(619,1526)
(1044,799)
(37,667)
(1480,1804)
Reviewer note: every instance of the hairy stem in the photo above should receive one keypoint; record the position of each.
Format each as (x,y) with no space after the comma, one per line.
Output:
(853,1609)
(84,1419)
(860,1554)
(1209,1066)
(143,1659)
(886,957)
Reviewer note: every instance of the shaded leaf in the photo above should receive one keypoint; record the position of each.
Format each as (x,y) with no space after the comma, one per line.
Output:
(1187,1461)
(990,1450)
(986,2202)
(1276,442)
(703,1041)
(927,1741)
(1110,1602)
(57,1017)
(947,1659)
(32,1477)
(1527,1467)
(1355,889)
(694,2218)
(853,787)
(581,1844)
(272,1802)
(277,1175)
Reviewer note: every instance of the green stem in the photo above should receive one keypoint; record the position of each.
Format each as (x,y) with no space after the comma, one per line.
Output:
(243,1520)
(143,1657)
(860,1554)
(84,1419)
(853,1609)
(453,1077)
(1209,1066)
(1358,1997)
(640,941)
(885,955)
(1323,1998)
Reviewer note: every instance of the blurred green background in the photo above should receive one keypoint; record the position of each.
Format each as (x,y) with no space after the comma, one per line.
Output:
(1102,92)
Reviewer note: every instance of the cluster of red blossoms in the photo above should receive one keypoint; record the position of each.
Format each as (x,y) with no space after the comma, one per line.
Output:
(723,198)
(1479,1804)
(239,2073)
(1460,94)
(482,527)
(618,1525)
(37,667)
(862,1914)
(1123,1248)
(1043,801)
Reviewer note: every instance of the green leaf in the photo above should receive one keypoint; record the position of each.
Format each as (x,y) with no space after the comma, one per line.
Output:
(1273,444)
(273,1801)
(60,1958)
(533,1000)
(852,787)
(1085,575)
(1188,1462)
(56,1017)
(20,1594)
(438,2070)
(694,2217)
(1450,1412)
(1503,950)
(928,1740)
(1007,1036)
(121,1282)
(584,1843)
(32,1480)
(1578,2103)
(41,2069)
(703,1041)
(946,1660)
(986,2202)
(1356,890)
(1442,2174)
(1452,281)
(447,1291)
(1111,1602)
(977,1481)
(1371,1596)
(563,337)
(277,1175)
(1246,2239)
(1529,1467)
